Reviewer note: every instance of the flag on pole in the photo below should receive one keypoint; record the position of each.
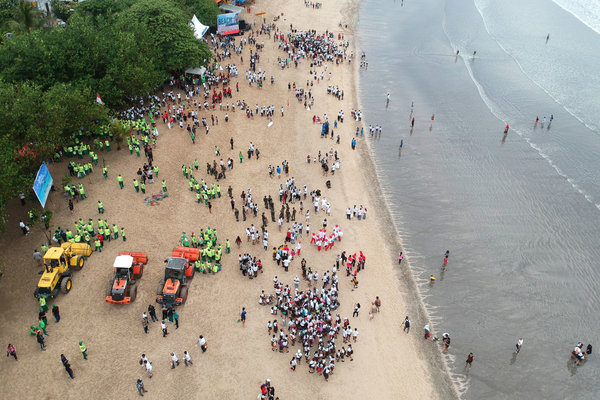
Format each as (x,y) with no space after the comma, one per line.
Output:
(98,99)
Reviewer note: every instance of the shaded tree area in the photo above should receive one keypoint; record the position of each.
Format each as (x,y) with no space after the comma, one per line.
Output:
(49,77)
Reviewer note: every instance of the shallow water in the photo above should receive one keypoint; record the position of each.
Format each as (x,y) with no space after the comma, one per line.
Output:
(520,216)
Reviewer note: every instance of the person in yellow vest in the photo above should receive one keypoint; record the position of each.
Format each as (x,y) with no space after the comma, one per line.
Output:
(105,172)
(120,181)
(44,249)
(78,238)
(123,234)
(197,265)
(100,207)
(107,234)
(164,186)
(98,245)
(115,229)
(219,191)
(43,305)
(143,187)
(87,239)
(136,185)
(198,198)
(82,192)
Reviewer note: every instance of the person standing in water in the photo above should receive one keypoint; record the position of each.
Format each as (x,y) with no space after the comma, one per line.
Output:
(469,361)
(547,38)
(519,345)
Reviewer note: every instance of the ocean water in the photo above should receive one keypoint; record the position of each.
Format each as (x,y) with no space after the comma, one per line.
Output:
(520,215)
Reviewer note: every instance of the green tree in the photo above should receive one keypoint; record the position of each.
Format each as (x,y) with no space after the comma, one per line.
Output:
(25,18)
(163,28)
(205,10)
(60,10)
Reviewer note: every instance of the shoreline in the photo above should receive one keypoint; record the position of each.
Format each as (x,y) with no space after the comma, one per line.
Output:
(445,384)
(385,365)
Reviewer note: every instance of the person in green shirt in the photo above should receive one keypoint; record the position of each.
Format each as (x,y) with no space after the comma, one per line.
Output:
(105,172)
(83,350)
(241,157)
(107,144)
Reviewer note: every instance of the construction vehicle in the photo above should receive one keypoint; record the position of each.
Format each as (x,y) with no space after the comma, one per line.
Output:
(58,262)
(179,269)
(128,268)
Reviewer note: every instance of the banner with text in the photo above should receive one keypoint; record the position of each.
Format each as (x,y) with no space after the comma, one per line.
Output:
(42,184)
(228,24)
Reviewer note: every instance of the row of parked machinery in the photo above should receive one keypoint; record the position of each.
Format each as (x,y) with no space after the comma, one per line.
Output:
(128,268)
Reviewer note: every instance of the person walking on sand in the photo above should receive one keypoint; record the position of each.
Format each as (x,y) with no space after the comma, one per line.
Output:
(83,350)
(140,387)
(519,345)
(174,361)
(65,363)
(406,325)
(202,343)
(427,332)
(187,359)
(377,303)
(400,257)
(373,310)
(11,351)
(243,317)
(469,361)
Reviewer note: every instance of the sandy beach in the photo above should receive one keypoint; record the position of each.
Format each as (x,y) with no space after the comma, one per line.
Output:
(387,362)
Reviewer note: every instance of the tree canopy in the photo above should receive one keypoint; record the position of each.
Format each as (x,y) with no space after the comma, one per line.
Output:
(49,77)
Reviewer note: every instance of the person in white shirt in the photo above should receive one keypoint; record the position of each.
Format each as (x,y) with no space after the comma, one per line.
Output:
(202,343)
(148,366)
(187,359)
(519,345)
(174,361)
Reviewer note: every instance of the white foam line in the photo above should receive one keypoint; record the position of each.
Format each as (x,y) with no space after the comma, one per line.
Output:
(504,118)
(593,128)
(577,16)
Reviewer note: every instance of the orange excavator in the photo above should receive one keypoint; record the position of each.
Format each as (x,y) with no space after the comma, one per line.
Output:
(128,268)
(179,270)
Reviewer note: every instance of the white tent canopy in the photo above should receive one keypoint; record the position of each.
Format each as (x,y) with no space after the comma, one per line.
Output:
(231,8)
(196,71)
(199,29)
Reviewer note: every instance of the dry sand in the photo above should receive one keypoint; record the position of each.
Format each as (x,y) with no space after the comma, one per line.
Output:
(387,362)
